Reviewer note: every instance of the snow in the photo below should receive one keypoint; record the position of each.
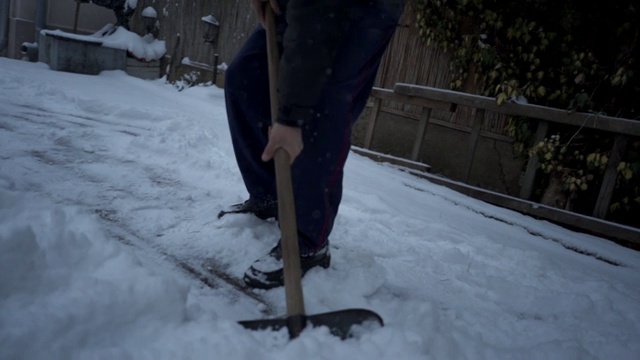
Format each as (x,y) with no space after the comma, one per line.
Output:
(131,4)
(149,12)
(144,48)
(210,19)
(105,180)
(94,38)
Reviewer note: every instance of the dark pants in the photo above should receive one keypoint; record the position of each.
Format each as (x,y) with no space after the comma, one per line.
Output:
(120,8)
(317,173)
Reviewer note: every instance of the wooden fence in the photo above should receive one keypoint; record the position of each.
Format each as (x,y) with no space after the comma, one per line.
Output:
(407,59)
(429,99)
(181,26)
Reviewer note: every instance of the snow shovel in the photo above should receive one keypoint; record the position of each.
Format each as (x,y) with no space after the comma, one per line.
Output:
(340,323)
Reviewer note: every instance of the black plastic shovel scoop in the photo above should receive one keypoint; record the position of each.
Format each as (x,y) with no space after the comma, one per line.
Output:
(340,323)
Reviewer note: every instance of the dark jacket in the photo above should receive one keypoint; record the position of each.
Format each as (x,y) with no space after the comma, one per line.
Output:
(315,30)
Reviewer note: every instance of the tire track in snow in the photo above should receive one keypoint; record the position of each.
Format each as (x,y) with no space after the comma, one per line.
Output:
(72,157)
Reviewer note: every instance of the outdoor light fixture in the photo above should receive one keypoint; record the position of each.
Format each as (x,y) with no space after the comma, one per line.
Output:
(150,21)
(211,29)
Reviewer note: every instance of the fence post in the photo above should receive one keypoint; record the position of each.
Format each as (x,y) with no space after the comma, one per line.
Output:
(473,141)
(422,130)
(372,123)
(532,165)
(610,175)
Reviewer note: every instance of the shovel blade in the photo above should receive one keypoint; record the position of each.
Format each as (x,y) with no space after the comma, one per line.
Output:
(341,323)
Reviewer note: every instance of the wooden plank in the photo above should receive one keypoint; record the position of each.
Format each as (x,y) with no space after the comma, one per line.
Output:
(443,123)
(401,113)
(532,164)
(372,123)
(610,176)
(380,157)
(422,130)
(593,225)
(473,141)
(592,121)
(388,94)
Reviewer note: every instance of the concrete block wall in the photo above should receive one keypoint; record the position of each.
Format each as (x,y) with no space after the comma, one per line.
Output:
(79,56)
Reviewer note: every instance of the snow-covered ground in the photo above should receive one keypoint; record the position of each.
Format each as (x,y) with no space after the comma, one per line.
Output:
(106,180)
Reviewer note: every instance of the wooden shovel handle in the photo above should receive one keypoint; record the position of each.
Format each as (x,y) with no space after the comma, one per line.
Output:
(286,203)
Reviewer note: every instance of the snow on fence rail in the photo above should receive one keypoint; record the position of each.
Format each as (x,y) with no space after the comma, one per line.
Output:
(429,99)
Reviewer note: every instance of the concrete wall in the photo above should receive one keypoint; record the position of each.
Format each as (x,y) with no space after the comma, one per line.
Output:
(78,56)
(60,14)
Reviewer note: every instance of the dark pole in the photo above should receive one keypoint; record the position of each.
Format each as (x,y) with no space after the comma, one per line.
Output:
(215,69)
(75,21)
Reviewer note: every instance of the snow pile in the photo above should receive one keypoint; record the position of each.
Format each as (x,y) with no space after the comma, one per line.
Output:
(145,47)
(149,12)
(58,269)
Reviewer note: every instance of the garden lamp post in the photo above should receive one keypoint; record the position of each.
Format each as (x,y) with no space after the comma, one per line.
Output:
(150,21)
(211,31)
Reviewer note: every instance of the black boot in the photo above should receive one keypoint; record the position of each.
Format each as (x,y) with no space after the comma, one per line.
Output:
(263,209)
(267,273)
